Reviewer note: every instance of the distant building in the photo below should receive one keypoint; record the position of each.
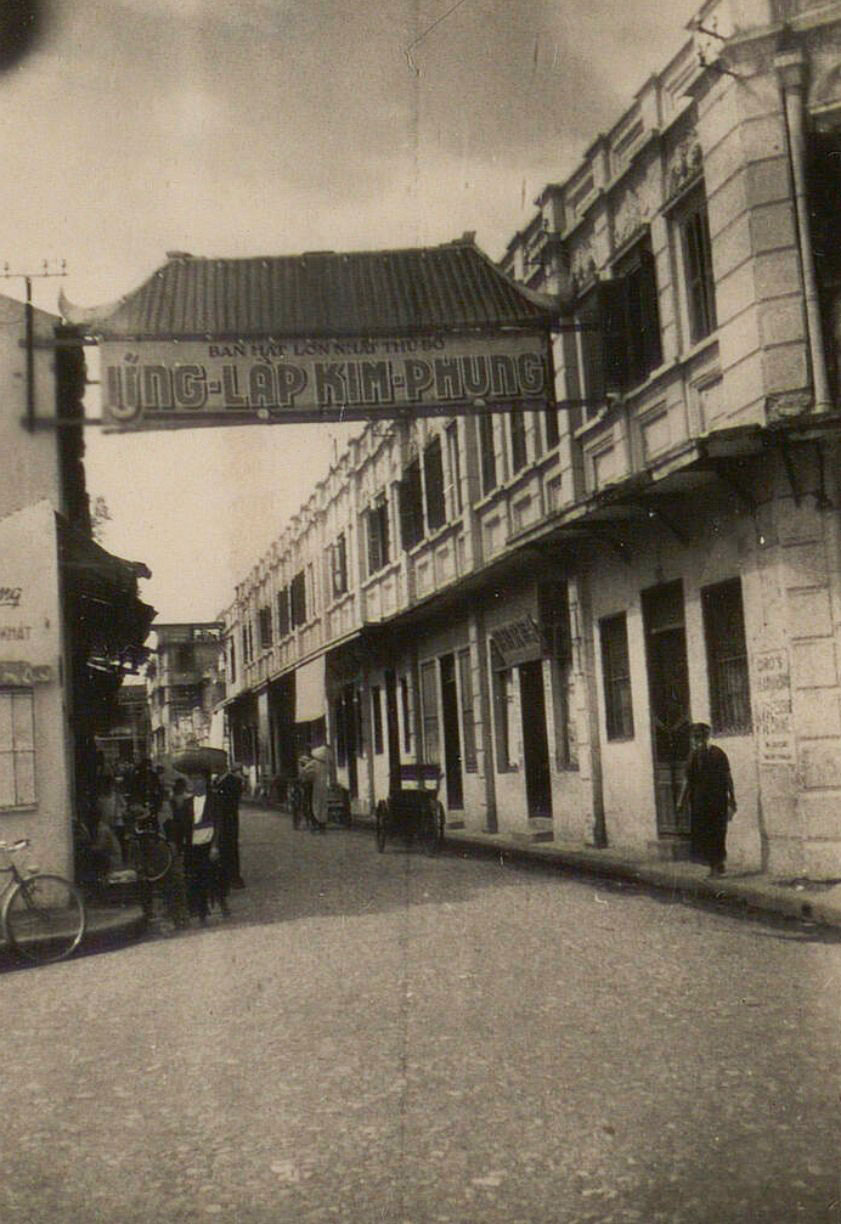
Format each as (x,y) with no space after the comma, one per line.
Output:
(128,735)
(182,685)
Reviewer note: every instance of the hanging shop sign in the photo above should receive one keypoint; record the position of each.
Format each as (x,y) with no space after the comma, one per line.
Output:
(517,642)
(29,607)
(158,384)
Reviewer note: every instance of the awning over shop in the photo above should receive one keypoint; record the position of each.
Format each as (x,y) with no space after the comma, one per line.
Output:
(111,621)
(309,691)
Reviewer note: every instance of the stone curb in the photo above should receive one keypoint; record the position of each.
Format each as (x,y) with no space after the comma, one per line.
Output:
(757,895)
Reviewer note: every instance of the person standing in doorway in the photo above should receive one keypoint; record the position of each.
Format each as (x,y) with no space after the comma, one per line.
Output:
(316,771)
(708,789)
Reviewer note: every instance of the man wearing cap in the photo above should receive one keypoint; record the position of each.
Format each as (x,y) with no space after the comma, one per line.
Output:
(708,787)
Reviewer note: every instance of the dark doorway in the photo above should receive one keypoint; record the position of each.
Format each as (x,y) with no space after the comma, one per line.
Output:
(535,741)
(452,739)
(668,688)
(349,712)
(392,731)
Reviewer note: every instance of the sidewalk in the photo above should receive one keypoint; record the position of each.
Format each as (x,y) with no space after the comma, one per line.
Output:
(817,902)
(750,891)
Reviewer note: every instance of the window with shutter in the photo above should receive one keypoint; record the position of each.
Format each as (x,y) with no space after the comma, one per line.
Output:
(517,425)
(410,500)
(433,470)
(553,435)
(298,600)
(629,320)
(487,454)
(454,460)
(338,558)
(378,542)
(698,271)
(283,621)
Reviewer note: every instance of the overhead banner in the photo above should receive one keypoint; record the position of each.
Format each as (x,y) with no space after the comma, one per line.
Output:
(157,384)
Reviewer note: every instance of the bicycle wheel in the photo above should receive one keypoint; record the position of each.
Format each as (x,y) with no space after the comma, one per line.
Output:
(153,857)
(44,918)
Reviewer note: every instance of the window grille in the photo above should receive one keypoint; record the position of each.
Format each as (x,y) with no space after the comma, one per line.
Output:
(616,669)
(727,657)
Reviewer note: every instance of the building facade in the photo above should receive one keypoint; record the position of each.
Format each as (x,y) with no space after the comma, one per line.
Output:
(71,623)
(541,602)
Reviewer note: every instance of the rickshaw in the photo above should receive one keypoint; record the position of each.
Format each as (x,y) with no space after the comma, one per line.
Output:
(413,811)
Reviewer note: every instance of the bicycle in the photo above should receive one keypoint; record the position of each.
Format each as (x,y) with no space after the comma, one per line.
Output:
(148,851)
(43,916)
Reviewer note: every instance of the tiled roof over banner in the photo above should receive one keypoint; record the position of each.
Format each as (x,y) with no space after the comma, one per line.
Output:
(321,293)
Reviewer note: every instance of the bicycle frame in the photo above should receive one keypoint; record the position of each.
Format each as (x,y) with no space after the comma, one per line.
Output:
(11,869)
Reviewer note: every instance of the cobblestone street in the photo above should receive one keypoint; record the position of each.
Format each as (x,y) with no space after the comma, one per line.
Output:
(400,1038)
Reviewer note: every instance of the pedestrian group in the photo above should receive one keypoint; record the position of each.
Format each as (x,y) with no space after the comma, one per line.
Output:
(199,816)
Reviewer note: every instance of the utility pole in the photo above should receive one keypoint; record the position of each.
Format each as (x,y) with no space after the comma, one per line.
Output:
(27,278)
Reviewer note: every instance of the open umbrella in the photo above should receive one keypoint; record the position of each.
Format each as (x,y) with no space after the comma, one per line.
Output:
(200,761)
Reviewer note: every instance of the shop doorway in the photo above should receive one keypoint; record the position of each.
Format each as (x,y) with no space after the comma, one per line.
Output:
(452,738)
(349,717)
(535,740)
(668,687)
(392,731)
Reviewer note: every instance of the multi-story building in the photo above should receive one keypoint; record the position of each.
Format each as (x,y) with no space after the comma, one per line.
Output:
(71,624)
(127,736)
(541,602)
(181,685)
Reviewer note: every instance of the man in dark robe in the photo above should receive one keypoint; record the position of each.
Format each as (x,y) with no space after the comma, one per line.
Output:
(708,788)
(228,791)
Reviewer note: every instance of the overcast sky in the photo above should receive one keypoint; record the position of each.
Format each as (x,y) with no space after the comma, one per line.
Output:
(249,127)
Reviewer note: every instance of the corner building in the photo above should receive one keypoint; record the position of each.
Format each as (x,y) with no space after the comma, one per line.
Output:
(541,602)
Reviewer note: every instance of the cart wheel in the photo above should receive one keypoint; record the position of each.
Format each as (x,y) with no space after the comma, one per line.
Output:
(382,813)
